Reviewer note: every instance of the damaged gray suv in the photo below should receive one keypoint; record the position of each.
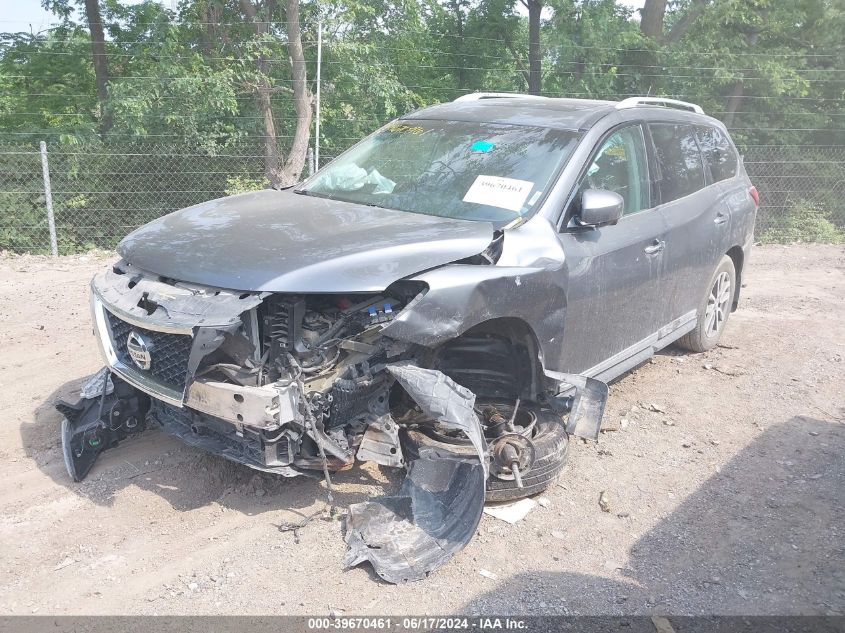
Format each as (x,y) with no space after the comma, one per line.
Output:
(449,296)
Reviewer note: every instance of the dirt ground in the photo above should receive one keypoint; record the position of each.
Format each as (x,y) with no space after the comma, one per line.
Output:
(727,499)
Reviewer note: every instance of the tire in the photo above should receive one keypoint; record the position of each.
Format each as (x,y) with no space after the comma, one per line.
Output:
(551,444)
(706,333)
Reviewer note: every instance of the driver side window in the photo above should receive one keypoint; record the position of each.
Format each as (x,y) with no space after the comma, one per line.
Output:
(621,166)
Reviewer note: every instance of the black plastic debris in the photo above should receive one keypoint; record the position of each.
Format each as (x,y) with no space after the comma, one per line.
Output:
(107,412)
(407,536)
(444,400)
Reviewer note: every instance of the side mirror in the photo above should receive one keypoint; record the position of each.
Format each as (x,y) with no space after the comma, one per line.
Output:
(600,207)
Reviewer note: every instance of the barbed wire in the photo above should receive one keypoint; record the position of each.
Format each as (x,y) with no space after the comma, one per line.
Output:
(567,47)
(435,34)
(334,121)
(100,193)
(508,58)
(487,69)
(250,95)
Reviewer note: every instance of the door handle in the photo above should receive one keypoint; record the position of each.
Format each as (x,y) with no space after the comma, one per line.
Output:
(655,247)
(720,218)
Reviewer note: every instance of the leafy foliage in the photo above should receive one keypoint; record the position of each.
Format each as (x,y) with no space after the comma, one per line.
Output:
(774,70)
(806,222)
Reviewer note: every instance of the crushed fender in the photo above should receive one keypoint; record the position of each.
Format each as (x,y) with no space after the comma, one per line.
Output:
(407,536)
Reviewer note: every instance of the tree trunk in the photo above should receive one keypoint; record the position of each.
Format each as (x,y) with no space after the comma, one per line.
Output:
(272,155)
(101,65)
(734,101)
(535,7)
(688,19)
(278,171)
(651,24)
(207,28)
(516,58)
(738,90)
(301,100)
(459,31)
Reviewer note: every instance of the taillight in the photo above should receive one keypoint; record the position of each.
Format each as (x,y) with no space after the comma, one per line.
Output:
(754,194)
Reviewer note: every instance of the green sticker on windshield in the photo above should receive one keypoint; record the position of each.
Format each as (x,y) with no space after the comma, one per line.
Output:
(481,146)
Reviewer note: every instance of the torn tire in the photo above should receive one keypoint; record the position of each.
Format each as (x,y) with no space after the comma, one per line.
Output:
(549,437)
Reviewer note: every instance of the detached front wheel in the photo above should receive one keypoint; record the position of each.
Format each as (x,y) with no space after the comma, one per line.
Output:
(714,309)
(542,428)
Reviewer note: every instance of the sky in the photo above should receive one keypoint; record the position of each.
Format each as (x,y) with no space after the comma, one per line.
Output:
(20,14)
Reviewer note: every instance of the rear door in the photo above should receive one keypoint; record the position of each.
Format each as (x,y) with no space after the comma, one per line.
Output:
(697,222)
(723,164)
(613,271)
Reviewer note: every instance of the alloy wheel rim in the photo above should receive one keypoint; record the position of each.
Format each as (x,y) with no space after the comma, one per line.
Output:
(717,305)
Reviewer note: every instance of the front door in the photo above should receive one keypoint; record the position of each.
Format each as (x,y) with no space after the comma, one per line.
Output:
(613,271)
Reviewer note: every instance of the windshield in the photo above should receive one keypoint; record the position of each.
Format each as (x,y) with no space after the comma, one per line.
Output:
(473,171)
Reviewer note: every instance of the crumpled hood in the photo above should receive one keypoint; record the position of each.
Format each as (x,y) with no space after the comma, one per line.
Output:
(279,241)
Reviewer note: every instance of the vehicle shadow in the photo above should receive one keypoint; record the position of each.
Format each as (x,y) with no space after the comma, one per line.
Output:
(762,537)
(186,477)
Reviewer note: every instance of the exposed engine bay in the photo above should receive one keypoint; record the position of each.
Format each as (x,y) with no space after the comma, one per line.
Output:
(327,352)
(297,384)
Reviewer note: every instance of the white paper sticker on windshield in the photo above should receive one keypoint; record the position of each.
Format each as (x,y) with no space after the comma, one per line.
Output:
(495,191)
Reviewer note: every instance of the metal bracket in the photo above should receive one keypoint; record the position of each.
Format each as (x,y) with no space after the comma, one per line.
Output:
(380,443)
(586,407)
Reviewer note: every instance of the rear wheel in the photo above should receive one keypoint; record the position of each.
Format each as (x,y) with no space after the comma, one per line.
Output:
(714,309)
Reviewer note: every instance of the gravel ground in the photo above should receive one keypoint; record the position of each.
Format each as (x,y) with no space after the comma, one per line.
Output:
(724,473)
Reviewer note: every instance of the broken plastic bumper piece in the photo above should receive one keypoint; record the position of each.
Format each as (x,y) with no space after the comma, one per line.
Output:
(585,406)
(107,411)
(437,510)
(407,536)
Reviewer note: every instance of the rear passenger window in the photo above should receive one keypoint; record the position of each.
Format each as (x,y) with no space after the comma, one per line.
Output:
(719,155)
(681,170)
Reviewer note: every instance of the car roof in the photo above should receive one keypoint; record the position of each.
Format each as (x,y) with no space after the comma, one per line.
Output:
(563,114)
(549,112)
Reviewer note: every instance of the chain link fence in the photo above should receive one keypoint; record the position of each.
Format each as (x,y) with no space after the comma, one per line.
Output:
(99,194)
(802,193)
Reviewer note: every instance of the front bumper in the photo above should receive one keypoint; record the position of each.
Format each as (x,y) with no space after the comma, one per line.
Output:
(182,324)
(265,408)
(250,425)
(120,363)
(238,444)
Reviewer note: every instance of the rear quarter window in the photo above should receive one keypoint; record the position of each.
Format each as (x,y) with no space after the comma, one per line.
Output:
(681,171)
(718,152)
